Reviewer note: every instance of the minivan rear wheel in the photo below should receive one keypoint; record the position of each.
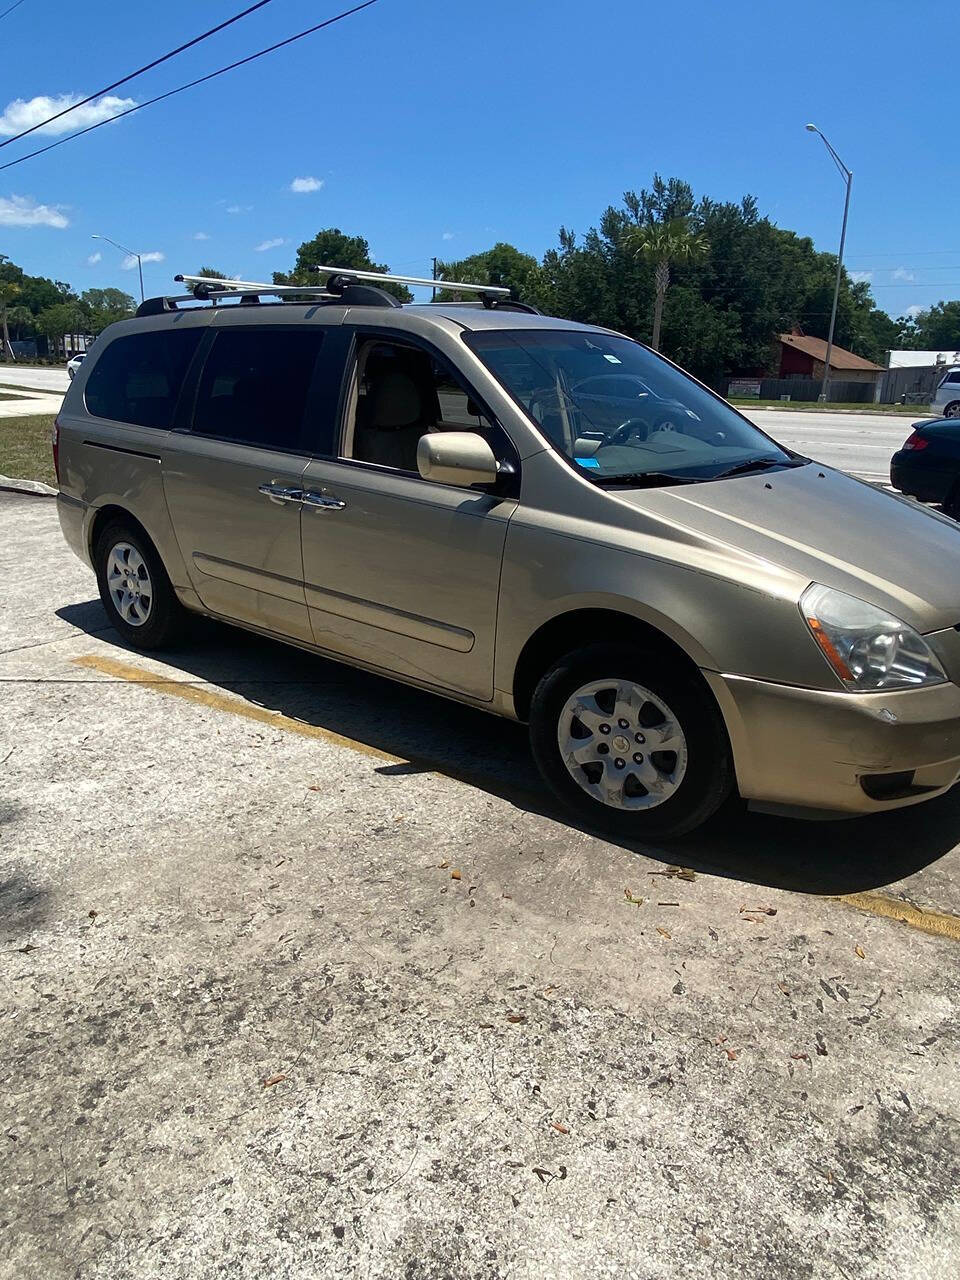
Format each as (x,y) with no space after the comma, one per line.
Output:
(631,741)
(134,588)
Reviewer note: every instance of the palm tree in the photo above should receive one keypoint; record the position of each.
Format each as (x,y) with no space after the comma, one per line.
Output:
(8,295)
(663,243)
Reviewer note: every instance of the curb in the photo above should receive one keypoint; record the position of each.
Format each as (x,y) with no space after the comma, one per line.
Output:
(34,488)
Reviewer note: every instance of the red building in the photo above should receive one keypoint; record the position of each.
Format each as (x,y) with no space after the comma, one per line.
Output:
(805,357)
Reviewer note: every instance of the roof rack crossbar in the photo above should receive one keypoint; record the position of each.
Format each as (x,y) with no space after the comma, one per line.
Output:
(351,273)
(209,288)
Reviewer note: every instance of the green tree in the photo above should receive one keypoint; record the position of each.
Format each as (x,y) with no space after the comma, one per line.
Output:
(665,244)
(502,265)
(213,273)
(332,248)
(938,328)
(9,293)
(103,307)
(59,320)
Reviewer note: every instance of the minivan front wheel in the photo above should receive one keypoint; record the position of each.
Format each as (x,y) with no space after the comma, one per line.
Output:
(631,741)
(134,588)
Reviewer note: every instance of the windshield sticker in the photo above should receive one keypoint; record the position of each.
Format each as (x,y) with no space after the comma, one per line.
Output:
(587,462)
(612,359)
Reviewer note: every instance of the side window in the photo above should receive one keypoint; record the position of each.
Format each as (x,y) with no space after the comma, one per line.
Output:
(137,378)
(953,377)
(255,384)
(399,394)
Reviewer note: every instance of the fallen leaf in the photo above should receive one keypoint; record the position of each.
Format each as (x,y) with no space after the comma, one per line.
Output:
(508,896)
(272,1080)
(637,902)
(560,1128)
(92,915)
(455,875)
(675,873)
(516,1017)
(314,787)
(444,864)
(733,1054)
(664,932)
(860,952)
(782,986)
(752,918)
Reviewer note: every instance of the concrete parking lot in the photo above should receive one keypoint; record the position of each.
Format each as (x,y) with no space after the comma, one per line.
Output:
(304,976)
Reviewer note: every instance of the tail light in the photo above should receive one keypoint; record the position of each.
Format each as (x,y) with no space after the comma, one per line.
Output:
(55,442)
(916,441)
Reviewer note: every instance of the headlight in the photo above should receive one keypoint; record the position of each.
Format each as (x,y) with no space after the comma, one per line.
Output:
(867,647)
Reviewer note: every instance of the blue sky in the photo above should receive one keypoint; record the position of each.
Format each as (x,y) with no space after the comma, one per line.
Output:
(440,126)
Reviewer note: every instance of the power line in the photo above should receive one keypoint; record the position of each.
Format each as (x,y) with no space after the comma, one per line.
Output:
(11,9)
(133,74)
(191,85)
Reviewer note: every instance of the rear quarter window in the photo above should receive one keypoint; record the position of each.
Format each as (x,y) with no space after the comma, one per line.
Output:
(138,378)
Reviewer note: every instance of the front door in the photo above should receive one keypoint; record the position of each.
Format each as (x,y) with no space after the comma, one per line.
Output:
(233,480)
(401,573)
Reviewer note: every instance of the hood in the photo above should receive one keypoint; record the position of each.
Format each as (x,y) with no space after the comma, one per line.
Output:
(832,529)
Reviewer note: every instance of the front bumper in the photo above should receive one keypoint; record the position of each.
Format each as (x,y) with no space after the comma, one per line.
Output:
(812,749)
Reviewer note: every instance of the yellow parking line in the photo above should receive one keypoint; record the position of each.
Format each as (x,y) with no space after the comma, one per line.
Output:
(880,904)
(129,674)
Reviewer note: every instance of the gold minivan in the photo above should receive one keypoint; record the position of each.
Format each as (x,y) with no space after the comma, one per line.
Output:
(540,518)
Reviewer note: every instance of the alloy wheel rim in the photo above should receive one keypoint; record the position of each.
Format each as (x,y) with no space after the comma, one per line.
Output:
(622,744)
(128,581)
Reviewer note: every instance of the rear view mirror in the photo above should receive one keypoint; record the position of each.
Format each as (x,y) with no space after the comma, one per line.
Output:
(460,458)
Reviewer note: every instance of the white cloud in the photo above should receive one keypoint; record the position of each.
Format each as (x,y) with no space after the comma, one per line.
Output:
(239,208)
(153,256)
(859,276)
(447,235)
(264,245)
(913,311)
(200,235)
(25,113)
(23,211)
(902,273)
(303,186)
(94,258)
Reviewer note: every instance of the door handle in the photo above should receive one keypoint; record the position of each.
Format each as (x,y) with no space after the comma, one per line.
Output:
(280,493)
(322,501)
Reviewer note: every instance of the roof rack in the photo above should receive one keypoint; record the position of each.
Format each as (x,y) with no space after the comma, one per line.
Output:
(337,276)
(345,286)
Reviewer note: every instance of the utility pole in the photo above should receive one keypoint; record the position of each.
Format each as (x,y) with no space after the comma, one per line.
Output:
(433,296)
(847,176)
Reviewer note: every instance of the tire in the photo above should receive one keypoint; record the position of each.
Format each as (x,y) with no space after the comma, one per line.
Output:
(155,618)
(687,785)
(952,410)
(951,503)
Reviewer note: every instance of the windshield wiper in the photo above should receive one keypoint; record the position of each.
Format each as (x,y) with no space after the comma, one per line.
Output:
(646,479)
(756,464)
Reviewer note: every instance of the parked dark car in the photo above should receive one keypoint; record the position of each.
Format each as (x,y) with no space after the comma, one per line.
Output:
(928,465)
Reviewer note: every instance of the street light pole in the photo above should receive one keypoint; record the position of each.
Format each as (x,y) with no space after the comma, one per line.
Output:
(127,251)
(847,176)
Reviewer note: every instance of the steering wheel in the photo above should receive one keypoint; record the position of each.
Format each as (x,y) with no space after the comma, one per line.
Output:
(627,430)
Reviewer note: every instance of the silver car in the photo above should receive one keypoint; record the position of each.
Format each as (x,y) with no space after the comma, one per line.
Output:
(680,608)
(946,398)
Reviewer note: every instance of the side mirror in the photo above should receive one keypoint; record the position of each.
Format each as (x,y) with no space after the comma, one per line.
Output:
(460,458)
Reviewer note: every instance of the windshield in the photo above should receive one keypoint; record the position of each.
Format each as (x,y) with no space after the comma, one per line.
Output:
(619,412)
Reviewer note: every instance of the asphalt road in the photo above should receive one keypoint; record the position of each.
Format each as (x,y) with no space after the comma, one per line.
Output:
(303,975)
(861,443)
(34,379)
